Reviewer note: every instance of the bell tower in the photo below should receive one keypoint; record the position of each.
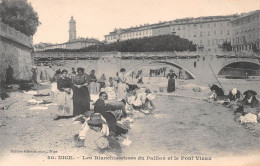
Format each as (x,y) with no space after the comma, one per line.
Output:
(72,29)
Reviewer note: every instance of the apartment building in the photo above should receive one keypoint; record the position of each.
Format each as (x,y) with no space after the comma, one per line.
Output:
(208,33)
(245,34)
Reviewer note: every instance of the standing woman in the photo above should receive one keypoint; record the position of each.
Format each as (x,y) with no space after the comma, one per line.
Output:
(65,103)
(122,87)
(171,81)
(81,96)
(93,80)
(34,75)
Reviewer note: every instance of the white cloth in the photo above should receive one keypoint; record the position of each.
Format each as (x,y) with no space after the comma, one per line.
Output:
(84,129)
(234,91)
(250,100)
(248,118)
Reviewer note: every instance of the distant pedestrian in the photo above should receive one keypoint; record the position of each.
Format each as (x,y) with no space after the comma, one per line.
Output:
(93,81)
(73,73)
(34,74)
(122,87)
(171,81)
(9,75)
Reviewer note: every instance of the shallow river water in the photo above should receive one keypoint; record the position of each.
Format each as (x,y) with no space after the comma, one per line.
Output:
(183,126)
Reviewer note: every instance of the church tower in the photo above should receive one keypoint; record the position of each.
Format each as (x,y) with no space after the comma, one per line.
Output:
(72,30)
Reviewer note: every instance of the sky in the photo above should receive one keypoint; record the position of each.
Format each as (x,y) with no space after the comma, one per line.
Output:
(96,18)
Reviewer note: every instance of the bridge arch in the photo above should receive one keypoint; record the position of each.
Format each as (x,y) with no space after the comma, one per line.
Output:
(240,68)
(188,72)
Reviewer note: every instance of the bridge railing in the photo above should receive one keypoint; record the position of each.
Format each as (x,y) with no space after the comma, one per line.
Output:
(122,55)
(13,34)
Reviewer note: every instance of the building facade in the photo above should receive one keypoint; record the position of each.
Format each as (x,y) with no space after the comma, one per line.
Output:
(245,35)
(208,33)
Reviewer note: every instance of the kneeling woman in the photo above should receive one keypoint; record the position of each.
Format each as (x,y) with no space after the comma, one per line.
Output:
(65,102)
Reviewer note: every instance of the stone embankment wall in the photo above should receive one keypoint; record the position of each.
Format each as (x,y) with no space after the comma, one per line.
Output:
(15,50)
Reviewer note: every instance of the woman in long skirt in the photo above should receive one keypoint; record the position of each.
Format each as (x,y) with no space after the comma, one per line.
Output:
(171,81)
(122,87)
(64,98)
(93,80)
(81,96)
(34,74)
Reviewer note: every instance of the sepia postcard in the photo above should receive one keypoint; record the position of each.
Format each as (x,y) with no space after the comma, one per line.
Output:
(130,82)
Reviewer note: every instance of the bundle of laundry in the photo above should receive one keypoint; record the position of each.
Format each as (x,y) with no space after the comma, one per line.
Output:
(248,118)
(110,93)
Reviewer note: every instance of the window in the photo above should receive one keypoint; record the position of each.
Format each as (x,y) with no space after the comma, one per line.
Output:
(221,24)
(201,26)
(183,27)
(201,42)
(208,42)
(208,25)
(227,32)
(215,32)
(208,33)
(214,24)
(200,34)
(221,32)
(228,24)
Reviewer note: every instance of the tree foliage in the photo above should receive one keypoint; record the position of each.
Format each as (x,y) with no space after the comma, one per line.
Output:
(151,44)
(20,15)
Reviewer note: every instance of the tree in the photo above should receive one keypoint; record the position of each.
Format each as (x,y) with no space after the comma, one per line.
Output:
(20,15)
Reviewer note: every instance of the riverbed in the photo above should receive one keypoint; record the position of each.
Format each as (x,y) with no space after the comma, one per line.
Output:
(183,126)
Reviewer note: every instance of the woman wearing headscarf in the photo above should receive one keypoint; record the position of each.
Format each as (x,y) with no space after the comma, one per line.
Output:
(250,99)
(171,81)
(234,95)
(81,96)
(65,103)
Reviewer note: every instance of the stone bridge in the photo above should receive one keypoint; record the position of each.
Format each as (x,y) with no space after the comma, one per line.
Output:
(201,66)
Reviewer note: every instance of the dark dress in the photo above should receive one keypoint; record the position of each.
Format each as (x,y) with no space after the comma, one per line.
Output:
(171,82)
(232,97)
(9,75)
(64,83)
(81,96)
(254,103)
(101,108)
(34,76)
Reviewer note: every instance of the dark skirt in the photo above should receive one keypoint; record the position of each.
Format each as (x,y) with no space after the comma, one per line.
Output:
(81,100)
(171,85)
